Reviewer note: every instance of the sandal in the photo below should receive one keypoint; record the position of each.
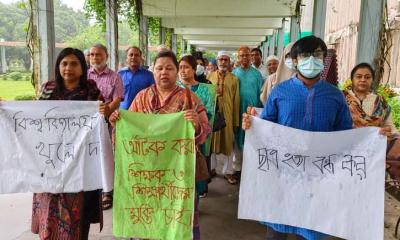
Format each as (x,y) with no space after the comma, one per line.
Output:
(107,201)
(230,178)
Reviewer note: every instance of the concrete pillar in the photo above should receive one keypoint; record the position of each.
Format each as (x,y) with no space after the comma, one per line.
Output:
(162,35)
(280,39)
(369,27)
(174,42)
(272,40)
(294,29)
(182,46)
(188,48)
(143,38)
(319,16)
(43,15)
(264,50)
(3,61)
(112,33)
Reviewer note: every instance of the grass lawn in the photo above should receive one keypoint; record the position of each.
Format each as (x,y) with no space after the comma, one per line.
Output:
(10,89)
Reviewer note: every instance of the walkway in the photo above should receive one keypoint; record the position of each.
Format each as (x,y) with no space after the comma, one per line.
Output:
(218,217)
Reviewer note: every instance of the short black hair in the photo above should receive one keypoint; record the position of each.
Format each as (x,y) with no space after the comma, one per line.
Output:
(362,65)
(167,54)
(308,45)
(190,60)
(134,47)
(256,50)
(81,57)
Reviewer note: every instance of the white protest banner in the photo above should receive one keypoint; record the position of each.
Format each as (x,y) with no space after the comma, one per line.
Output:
(329,182)
(54,146)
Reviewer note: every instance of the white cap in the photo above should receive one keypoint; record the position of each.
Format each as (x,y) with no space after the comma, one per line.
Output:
(223,53)
(272,57)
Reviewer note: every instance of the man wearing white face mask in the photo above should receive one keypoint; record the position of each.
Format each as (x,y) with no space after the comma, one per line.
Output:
(304,102)
(228,100)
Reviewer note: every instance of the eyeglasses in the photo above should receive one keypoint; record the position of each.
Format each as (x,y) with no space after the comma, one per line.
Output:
(316,54)
(223,59)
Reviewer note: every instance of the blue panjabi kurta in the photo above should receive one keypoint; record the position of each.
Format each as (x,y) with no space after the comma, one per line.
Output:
(250,84)
(322,108)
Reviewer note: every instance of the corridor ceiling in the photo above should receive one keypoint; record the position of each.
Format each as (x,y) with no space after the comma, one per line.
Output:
(221,24)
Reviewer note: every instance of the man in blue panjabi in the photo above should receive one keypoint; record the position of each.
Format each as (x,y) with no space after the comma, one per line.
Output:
(305,102)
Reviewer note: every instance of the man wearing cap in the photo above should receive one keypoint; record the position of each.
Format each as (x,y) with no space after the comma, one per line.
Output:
(272,64)
(250,84)
(228,101)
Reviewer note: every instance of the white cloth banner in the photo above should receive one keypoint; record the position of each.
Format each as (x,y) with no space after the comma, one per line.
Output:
(329,182)
(54,146)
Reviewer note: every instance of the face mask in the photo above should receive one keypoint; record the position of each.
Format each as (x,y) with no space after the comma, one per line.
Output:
(289,63)
(199,70)
(310,67)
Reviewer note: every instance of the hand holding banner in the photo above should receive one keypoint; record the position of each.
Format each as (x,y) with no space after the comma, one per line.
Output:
(154,183)
(329,182)
(54,146)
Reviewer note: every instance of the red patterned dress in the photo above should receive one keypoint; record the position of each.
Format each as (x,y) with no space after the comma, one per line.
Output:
(67,216)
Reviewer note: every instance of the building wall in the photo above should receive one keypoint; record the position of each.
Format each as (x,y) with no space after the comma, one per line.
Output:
(341,33)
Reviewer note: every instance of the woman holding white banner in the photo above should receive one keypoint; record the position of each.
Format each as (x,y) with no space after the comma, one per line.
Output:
(167,97)
(68,215)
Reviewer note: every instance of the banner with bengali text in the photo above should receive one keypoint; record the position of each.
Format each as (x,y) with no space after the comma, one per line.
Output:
(154,176)
(330,182)
(54,146)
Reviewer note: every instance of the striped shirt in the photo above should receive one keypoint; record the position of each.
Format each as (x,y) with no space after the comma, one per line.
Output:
(321,108)
(109,83)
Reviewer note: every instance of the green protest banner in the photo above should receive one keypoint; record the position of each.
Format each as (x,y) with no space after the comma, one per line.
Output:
(154,176)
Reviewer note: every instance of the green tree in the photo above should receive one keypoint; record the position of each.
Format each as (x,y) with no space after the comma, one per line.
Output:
(14,21)
(67,21)
(128,11)
(86,38)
